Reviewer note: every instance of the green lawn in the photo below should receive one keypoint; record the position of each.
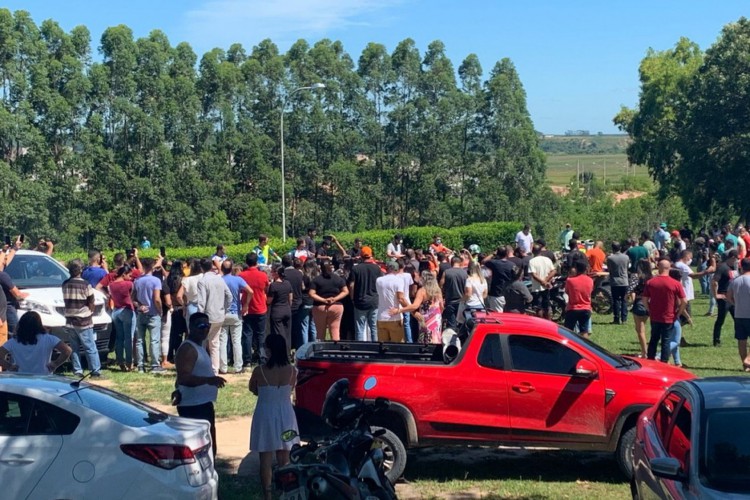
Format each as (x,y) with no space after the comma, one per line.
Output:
(485,472)
(562,168)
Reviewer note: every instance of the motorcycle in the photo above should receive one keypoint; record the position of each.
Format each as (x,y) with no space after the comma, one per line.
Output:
(558,300)
(348,466)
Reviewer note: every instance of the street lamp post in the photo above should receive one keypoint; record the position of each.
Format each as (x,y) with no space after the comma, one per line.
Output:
(314,86)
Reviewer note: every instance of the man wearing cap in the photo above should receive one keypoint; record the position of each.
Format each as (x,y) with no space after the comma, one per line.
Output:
(565,236)
(677,242)
(390,326)
(197,385)
(364,295)
(475,250)
(661,236)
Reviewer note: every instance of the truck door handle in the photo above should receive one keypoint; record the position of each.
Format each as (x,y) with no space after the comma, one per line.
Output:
(523,388)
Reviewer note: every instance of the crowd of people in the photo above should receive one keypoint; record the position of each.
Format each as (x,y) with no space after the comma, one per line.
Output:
(203,315)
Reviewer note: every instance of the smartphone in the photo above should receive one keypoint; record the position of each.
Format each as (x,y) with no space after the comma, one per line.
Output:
(22,237)
(163,251)
(7,239)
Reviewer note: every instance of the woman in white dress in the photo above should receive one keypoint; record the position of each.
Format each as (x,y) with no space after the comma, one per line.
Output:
(273,383)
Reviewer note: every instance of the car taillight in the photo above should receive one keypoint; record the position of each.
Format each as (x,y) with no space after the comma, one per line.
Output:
(164,456)
(287,481)
(305,374)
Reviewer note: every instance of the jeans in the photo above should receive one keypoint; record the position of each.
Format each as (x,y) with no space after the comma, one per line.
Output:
(674,342)
(723,307)
(619,304)
(87,337)
(191,309)
(711,302)
(253,336)
(166,331)
(122,323)
(307,326)
(297,336)
(232,329)
(407,328)
(364,318)
(12,319)
(450,315)
(661,333)
(705,280)
(143,322)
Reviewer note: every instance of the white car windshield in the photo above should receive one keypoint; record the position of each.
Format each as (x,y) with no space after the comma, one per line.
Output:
(36,271)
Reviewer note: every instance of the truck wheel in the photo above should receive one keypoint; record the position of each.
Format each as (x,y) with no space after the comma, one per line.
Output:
(624,453)
(395,454)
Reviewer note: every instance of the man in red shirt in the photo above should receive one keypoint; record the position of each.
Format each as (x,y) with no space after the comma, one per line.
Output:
(665,301)
(579,287)
(254,317)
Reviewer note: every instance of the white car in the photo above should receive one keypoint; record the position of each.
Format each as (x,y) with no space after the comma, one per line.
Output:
(41,276)
(62,438)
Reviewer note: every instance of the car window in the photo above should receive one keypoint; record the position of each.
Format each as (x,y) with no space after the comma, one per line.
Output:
(116,406)
(679,440)
(538,354)
(725,460)
(491,354)
(36,271)
(25,416)
(663,416)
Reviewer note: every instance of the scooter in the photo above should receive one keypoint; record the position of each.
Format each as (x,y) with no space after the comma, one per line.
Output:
(350,465)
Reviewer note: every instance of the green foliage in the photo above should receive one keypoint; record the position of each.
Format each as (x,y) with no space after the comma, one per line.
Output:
(155,140)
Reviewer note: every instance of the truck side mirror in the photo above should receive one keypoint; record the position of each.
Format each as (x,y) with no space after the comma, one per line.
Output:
(586,369)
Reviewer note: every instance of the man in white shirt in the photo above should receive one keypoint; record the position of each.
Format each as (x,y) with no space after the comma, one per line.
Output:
(524,240)
(395,248)
(686,277)
(390,299)
(541,270)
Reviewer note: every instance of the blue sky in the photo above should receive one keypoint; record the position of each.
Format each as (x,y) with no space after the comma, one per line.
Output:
(578,60)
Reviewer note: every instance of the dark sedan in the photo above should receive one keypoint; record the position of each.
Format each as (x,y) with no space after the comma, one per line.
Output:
(695,442)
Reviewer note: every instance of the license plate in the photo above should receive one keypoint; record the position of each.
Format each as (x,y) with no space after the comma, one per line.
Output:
(204,458)
(296,494)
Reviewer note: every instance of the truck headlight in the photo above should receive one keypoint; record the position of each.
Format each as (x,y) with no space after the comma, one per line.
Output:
(32,305)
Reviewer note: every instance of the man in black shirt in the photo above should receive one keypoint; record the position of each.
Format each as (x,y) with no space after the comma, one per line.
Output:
(295,278)
(443,265)
(453,284)
(725,273)
(364,295)
(502,276)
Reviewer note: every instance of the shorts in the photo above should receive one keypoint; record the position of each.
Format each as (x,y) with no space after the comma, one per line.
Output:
(578,318)
(639,309)
(541,299)
(741,328)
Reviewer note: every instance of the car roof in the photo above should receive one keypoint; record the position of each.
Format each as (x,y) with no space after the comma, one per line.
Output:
(48,384)
(516,322)
(723,392)
(31,252)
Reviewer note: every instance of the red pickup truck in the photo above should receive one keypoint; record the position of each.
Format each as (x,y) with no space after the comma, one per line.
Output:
(517,381)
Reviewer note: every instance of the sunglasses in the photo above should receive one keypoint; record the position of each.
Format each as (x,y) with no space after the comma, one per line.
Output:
(203,326)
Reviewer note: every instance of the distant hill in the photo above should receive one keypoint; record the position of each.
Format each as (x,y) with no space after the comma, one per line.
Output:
(584,144)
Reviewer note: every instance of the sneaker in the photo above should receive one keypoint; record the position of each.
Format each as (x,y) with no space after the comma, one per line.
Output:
(222,372)
(96,375)
(240,371)
(158,369)
(717,343)
(141,369)
(78,374)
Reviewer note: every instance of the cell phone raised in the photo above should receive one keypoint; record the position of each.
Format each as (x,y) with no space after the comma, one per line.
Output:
(7,239)
(22,238)
(163,251)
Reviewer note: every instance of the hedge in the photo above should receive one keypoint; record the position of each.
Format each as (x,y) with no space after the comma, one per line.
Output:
(488,235)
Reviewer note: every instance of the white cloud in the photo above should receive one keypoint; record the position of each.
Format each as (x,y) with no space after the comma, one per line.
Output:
(219,23)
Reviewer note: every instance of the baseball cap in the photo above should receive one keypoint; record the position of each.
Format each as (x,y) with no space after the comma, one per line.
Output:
(663,225)
(474,248)
(365,251)
(676,234)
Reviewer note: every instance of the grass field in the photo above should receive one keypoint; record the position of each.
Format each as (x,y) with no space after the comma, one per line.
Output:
(482,472)
(561,169)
